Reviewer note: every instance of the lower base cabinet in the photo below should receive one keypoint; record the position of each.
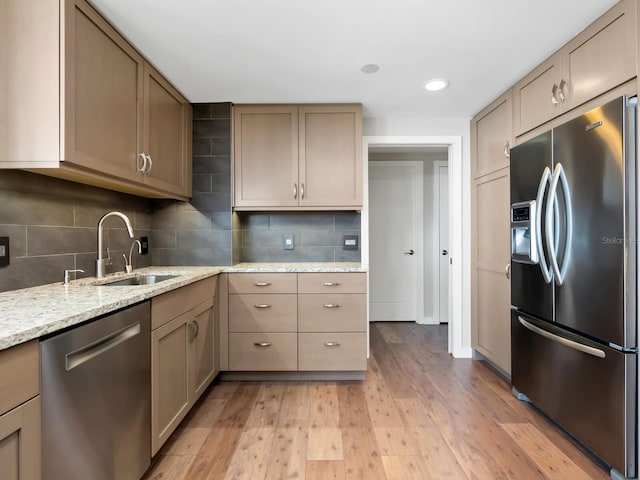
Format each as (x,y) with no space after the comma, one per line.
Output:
(20,431)
(314,322)
(183,357)
(20,442)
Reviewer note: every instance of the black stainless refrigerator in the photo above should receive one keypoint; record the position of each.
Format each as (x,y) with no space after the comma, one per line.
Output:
(573,279)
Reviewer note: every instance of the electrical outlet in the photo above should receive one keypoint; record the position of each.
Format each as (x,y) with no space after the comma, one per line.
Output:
(288,241)
(4,251)
(144,245)
(350,242)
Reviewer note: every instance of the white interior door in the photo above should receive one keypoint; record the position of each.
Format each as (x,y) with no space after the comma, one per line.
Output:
(441,172)
(396,239)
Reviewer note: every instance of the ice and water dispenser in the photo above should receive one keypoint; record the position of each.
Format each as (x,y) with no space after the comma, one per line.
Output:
(523,232)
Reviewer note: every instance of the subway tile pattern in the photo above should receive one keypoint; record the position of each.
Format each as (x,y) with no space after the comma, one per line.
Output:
(199,232)
(52,226)
(318,236)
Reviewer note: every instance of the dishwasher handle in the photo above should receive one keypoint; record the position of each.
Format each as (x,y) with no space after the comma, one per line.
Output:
(86,353)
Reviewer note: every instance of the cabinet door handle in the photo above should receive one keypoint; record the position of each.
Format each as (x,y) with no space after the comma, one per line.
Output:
(332,284)
(332,344)
(261,284)
(410,252)
(561,94)
(506,150)
(148,172)
(142,168)
(507,270)
(302,190)
(332,305)
(262,305)
(262,344)
(295,191)
(554,99)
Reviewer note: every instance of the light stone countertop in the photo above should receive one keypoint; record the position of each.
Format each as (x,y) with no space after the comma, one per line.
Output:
(31,313)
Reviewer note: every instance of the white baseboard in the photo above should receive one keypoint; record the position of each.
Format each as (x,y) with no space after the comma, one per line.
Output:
(428,321)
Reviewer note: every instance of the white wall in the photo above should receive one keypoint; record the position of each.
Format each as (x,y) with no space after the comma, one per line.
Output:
(454,126)
(430,228)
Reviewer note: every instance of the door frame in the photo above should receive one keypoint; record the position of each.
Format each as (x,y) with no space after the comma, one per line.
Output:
(459,331)
(436,240)
(418,224)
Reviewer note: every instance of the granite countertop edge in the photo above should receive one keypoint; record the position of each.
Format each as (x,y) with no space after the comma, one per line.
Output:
(31,313)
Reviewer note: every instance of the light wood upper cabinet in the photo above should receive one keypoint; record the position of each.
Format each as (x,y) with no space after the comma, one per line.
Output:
(265,156)
(289,157)
(491,137)
(167,135)
(83,103)
(330,156)
(598,59)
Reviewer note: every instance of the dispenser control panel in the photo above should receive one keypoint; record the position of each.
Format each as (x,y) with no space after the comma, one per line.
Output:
(523,233)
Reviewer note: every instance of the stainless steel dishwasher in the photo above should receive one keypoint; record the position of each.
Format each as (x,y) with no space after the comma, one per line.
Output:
(96,398)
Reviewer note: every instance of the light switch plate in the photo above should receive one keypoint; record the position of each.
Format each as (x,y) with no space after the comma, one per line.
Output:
(288,241)
(350,242)
(144,245)
(4,251)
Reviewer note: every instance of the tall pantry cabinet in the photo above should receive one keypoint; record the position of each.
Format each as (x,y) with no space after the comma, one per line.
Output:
(490,252)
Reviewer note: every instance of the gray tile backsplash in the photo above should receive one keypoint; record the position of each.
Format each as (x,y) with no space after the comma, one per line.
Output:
(318,236)
(52,226)
(199,232)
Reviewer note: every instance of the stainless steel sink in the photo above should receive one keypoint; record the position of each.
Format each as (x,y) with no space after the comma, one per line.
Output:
(139,280)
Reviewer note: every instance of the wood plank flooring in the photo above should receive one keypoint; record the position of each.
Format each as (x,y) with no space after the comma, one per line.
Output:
(419,414)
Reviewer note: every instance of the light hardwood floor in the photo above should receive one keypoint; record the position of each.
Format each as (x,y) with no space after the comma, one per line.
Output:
(418,415)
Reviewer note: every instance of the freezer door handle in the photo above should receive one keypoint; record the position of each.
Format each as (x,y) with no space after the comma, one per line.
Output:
(559,176)
(545,179)
(596,352)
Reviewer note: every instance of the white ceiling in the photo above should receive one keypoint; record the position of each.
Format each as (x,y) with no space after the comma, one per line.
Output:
(294,51)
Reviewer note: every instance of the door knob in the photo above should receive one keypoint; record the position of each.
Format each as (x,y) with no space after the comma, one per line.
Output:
(445,252)
(410,252)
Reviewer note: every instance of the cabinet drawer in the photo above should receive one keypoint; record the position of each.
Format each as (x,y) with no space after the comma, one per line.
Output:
(332,283)
(19,374)
(332,351)
(169,305)
(278,351)
(332,312)
(263,313)
(262,283)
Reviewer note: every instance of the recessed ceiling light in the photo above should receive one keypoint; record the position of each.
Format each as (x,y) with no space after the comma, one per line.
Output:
(436,84)
(370,68)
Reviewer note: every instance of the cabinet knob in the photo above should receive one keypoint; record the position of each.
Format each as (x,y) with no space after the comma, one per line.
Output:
(262,344)
(332,344)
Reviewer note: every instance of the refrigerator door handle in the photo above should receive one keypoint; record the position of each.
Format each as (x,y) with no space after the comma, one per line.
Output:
(552,200)
(544,181)
(596,352)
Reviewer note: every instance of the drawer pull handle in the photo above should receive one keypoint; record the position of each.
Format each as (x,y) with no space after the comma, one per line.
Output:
(331,305)
(332,344)
(262,305)
(332,284)
(261,284)
(262,344)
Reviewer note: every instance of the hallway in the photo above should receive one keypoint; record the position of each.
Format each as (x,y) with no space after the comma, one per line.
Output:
(419,414)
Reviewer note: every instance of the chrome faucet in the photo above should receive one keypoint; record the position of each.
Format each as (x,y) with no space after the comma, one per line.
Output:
(128,266)
(101,263)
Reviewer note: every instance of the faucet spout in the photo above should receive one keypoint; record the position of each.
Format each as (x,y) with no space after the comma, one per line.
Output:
(101,262)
